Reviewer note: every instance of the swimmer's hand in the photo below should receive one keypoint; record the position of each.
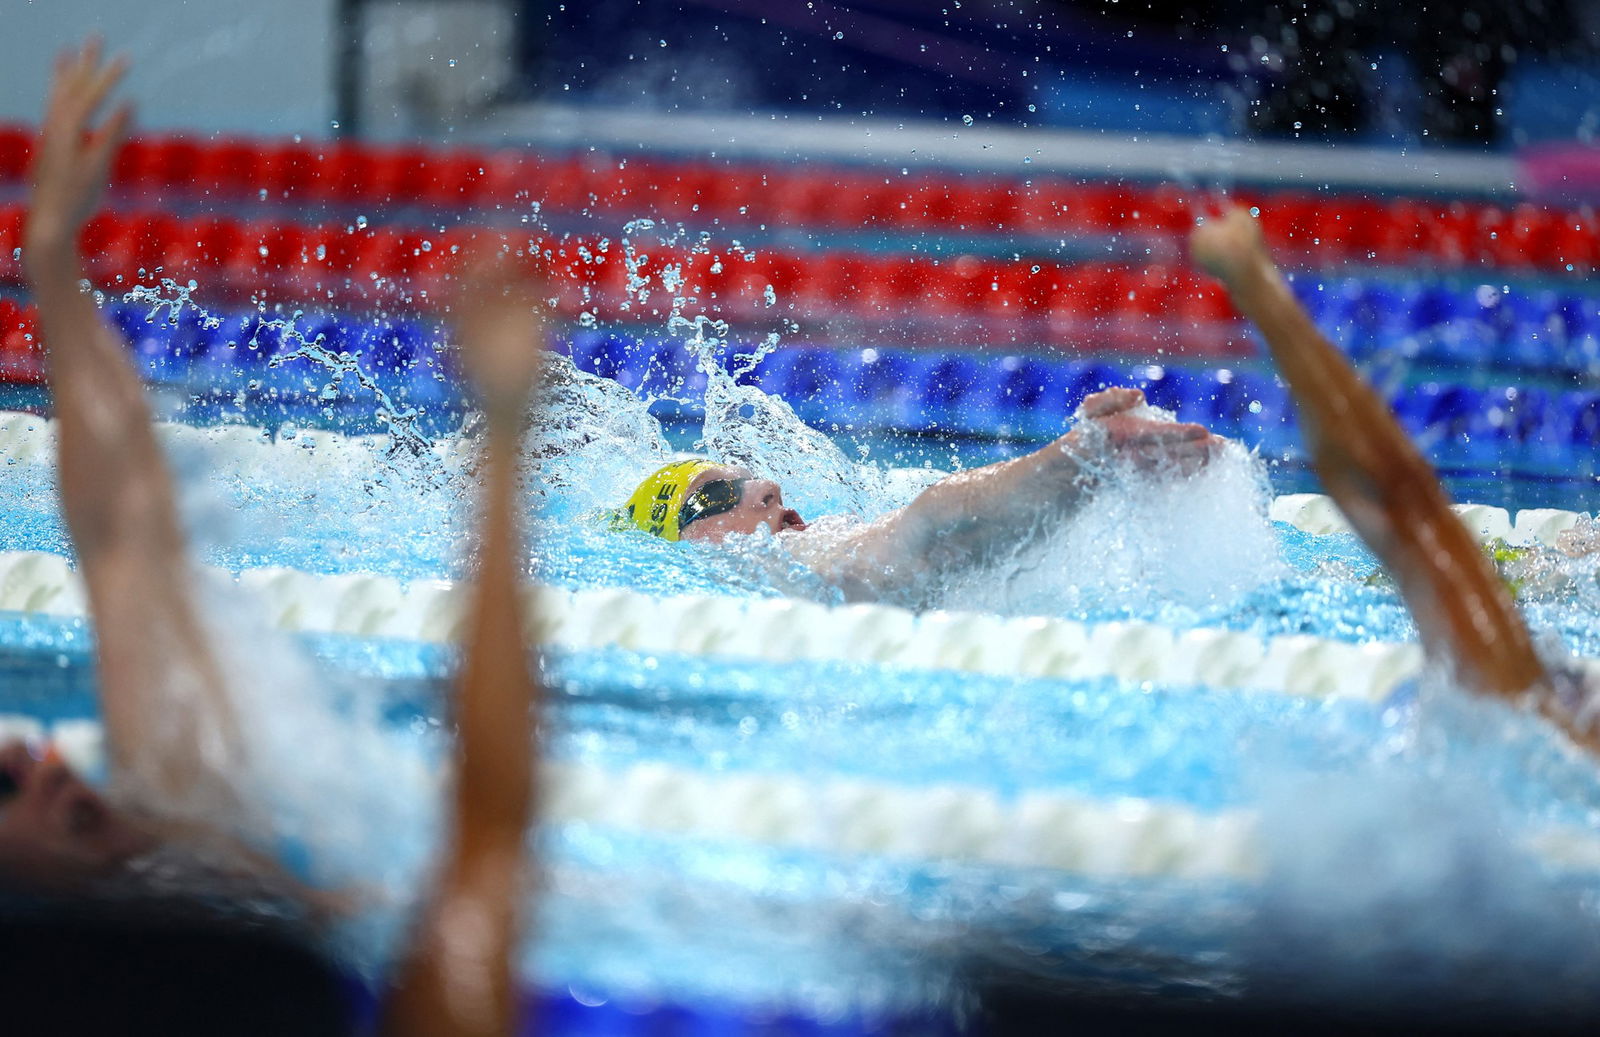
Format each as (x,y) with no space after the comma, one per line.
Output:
(1230,247)
(1115,429)
(74,154)
(502,318)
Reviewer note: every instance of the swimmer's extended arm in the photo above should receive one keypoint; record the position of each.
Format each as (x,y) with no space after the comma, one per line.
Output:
(170,726)
(1384,486)
(972,518)
(458,977)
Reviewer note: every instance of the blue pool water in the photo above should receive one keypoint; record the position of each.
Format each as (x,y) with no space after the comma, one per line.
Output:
(1417,811)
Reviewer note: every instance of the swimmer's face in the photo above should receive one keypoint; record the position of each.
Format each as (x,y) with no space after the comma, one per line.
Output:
(761,504)
(54,829)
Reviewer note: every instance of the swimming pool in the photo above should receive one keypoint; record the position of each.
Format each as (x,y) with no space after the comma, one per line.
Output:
(1193,746)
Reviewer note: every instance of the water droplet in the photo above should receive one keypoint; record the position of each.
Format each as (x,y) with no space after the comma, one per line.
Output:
(966,120)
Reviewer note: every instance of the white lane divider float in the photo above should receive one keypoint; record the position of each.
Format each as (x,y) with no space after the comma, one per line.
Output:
(785,630)
(1040,829)
(1117,838)
(1317,514)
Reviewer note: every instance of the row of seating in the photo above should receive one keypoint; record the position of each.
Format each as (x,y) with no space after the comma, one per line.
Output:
(1031,397)
(348,264)
(1477,325)
(1024,396)
(1399,231)
(278,355)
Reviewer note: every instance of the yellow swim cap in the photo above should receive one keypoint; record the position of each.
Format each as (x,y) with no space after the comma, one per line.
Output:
(655,505)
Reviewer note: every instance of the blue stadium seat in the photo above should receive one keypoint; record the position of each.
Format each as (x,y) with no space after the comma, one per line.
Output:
(883,385)
(1179,390)
(1027,396)
(670,369)
(1376,314)
(1577,320)
(1582,416)
(609,356)
(946,397)
(1084,379)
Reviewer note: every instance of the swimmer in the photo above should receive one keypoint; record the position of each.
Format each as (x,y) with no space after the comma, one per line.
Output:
(962,521)
(175,745)
(1390,495)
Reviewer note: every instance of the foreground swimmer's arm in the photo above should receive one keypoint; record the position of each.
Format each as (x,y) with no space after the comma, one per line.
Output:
(1373,472)
(458,977)
(972,517)
(171,731)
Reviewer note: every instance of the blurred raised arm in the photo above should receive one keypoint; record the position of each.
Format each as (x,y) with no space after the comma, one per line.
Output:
(1377,477)
(459,975)
(171,730)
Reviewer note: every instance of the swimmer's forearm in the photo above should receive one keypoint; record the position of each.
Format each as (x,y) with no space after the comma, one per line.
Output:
(109,461)
(495,710)
(1391,495)
(458,976)
(964,518)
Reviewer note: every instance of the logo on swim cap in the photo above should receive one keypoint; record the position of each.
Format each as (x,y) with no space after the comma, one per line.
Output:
(656,505)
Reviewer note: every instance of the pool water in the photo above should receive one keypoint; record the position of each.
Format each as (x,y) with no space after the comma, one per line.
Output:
(1394,832)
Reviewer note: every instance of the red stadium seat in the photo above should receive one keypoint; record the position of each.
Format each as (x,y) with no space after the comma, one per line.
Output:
(1022,290)
(199,248)
(1165,209)
(131,164)
(146,241)
(888,285)
(11,220)
(564,185)
(830,281)
(157,163)
(228,169)
(958,284)
(16,152)
(1575,242)
(452,179)
(288,171)
(1292,222)
(1360,227)
(988,205)
(1199,301)
(345,173)
(745,196)
(852,200)
(1080,303)
(266,256)
(507,178)
(21,353)
(1524,238)
(398,175)
(332,250)
(1143,293)
(1041,208)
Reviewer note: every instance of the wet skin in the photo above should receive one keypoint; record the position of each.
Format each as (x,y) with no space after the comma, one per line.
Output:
(54,829)
(760,505)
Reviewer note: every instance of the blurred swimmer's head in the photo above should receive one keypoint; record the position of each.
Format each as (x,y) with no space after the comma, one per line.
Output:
(699,500)
(54,829)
